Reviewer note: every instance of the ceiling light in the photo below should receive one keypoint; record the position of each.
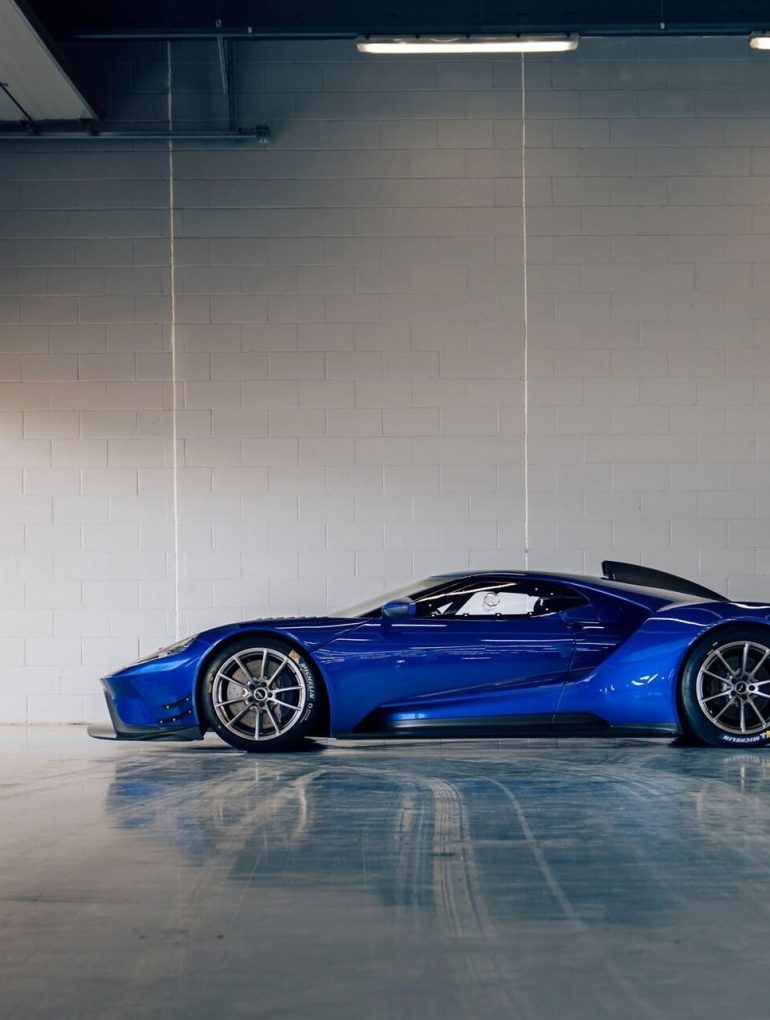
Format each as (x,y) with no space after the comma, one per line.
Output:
(412,44)
(759,40)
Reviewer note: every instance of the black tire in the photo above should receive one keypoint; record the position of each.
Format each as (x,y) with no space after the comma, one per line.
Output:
(725,688)
(239,690)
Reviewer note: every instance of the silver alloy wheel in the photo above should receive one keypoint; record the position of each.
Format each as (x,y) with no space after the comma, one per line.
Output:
(259,693)
(733,687)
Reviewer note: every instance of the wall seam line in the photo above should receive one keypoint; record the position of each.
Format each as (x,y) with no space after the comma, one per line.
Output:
(525,290)
(172,338)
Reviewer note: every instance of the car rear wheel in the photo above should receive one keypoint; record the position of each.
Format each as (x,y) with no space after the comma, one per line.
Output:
(260,695)
(726,688)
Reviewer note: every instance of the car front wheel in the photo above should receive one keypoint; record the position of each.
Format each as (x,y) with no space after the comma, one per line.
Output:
(726,688)
(260,695)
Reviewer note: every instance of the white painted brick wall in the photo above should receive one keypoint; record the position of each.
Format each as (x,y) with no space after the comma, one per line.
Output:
(350,326)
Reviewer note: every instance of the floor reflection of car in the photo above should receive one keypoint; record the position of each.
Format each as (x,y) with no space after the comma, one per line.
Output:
(461,831)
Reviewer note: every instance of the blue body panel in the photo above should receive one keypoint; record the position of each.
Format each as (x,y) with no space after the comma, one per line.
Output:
(617,658)
(161,692)
(637,684)
(473,663)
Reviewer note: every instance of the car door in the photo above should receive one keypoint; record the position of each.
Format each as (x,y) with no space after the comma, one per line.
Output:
(479,650)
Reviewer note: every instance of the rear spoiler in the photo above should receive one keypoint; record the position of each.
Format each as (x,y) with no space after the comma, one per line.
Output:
(633,573)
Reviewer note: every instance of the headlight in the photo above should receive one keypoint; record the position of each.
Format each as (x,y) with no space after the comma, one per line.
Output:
(178,646)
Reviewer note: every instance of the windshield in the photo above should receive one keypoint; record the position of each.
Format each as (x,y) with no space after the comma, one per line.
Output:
(410,590)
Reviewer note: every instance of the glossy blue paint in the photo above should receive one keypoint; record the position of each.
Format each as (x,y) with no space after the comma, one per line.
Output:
(142,694)
(617,656)
(526,703)
(425,659)
(400,609)
(637,685)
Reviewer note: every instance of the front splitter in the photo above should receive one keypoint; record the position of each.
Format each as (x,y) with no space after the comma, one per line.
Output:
(108,733)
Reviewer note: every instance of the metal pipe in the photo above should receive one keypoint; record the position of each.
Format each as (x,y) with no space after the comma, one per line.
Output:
(134,136)
(28,117)
(224,68)
(210,33)
(267,35)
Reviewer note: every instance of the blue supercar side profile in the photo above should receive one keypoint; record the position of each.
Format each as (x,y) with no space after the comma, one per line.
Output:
(497,653)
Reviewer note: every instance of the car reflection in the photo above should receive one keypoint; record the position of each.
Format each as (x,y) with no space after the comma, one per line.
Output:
(477,834)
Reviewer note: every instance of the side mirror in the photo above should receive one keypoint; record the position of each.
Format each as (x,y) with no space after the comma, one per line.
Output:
(399,609)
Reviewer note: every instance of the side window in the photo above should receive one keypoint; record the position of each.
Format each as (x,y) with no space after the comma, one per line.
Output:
(498,603)
(504,597)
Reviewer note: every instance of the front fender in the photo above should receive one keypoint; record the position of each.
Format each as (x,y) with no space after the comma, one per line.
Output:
(307,635)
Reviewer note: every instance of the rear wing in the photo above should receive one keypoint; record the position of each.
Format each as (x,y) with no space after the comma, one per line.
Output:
(633,573)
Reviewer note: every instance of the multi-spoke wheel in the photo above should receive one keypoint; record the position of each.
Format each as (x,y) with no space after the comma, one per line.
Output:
(260,695)
(726,688)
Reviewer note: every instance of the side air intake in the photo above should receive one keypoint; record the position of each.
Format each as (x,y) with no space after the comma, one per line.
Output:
(633,573)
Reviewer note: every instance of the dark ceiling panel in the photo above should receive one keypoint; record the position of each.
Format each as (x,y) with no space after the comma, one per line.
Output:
(360,16)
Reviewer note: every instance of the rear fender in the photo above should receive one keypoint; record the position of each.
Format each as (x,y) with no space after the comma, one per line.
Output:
(638,684)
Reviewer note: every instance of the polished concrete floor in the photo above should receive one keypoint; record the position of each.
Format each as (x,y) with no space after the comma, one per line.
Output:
(415,881)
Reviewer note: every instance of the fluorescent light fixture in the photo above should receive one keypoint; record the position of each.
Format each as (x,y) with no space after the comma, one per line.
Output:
(411,44)
(759,40)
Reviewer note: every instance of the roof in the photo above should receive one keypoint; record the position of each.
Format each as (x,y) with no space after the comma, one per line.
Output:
(649,596)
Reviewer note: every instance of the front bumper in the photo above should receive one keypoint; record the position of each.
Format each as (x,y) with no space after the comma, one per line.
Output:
(154,699)
(122,730)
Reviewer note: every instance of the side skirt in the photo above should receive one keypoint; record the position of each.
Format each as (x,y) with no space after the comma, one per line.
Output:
(577,724)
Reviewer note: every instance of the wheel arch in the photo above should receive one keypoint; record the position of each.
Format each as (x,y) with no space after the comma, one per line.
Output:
(711,632)
(324,720)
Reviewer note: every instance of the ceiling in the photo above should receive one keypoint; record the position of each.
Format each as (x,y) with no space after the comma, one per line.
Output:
(34,87)
(344,17)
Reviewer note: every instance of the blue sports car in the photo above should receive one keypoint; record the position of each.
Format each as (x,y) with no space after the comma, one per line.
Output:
(637,652)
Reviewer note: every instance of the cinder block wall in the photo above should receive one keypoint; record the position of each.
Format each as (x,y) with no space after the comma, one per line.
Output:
(351,339)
